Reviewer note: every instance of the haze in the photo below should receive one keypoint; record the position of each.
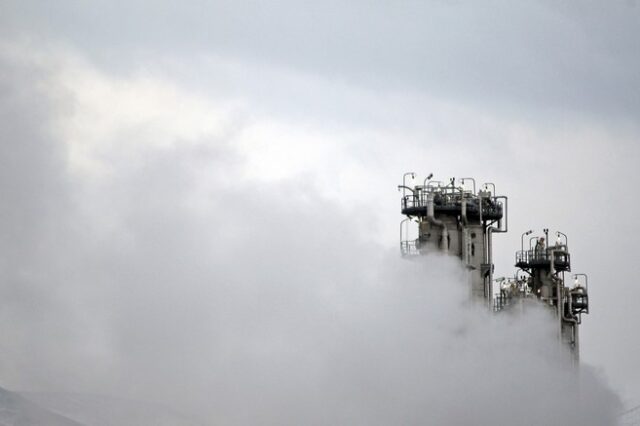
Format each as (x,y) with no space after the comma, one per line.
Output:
(199,204)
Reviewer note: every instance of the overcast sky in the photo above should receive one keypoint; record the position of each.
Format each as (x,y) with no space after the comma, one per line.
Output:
(159,160)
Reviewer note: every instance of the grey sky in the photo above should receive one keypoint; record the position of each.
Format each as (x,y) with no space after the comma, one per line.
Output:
(577,56)
(163,164)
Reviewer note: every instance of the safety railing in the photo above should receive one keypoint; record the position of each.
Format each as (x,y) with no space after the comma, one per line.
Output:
(411,201)
(409,248)
(500,301)
(542,256)
(490,208)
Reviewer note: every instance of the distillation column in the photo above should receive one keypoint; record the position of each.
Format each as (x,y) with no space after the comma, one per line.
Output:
(457,221)
(546,266)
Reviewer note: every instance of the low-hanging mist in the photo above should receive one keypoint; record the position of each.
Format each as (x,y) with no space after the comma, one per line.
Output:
(243,302)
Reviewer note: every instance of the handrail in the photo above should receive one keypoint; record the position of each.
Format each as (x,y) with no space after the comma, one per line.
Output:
(528,256)
(442,200)
(409,248)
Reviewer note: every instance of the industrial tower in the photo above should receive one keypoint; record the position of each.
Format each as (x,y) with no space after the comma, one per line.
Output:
(544,267)
(455,219)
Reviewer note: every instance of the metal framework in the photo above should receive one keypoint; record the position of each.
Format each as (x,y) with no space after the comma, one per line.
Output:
(453,219)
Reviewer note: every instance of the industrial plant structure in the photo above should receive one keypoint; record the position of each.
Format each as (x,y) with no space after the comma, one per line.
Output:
(452,217)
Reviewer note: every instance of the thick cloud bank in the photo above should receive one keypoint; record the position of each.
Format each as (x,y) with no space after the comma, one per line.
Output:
(244,302)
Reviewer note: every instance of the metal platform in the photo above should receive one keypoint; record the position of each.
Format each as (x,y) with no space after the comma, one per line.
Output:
(542,259)
(413,205)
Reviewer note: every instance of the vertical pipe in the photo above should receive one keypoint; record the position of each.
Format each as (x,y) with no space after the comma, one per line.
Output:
(465,230)
(431,218)
(491,230)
